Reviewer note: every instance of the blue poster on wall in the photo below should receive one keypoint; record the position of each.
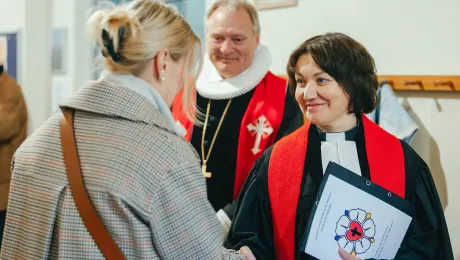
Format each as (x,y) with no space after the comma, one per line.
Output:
(10,48)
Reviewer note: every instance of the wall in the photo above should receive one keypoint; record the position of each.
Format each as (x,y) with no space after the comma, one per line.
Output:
(72,15)
(12,17)
(194,12)
(405,37)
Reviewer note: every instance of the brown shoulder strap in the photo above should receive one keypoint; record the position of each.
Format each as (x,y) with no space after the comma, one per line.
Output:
(93,223)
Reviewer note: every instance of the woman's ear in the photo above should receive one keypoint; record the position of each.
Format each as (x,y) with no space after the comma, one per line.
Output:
(161,64)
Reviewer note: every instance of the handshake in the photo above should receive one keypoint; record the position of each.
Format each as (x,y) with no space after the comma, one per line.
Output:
(247,253)
(225,217)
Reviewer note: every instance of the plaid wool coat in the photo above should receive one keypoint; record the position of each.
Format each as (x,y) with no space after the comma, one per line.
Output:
(144,180)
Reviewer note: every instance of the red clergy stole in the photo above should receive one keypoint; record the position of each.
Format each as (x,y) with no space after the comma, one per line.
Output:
(259,126)
(286,167)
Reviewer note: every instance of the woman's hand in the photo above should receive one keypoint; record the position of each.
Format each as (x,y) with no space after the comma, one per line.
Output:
(247,253)
(346,256)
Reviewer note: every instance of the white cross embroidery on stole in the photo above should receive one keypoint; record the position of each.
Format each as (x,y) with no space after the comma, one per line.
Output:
(261,128)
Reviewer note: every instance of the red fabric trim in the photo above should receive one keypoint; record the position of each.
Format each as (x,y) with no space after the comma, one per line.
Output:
(284,188)
(385,157)
(386,167)
(268,101)
(180,116)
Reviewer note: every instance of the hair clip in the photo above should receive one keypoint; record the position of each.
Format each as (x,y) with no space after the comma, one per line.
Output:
(108,44)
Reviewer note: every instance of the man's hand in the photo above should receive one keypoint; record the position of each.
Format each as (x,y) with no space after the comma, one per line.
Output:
(346,256)
(247,253)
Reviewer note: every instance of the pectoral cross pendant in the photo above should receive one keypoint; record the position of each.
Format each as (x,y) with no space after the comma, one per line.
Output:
(205,173)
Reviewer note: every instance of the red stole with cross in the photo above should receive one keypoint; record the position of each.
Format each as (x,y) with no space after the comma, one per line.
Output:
(259,126)
(286,168)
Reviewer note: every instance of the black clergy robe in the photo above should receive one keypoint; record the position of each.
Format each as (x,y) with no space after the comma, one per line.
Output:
(427,237)
(222,161)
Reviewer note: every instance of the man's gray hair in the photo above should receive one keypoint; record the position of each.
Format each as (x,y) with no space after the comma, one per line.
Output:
(235,5)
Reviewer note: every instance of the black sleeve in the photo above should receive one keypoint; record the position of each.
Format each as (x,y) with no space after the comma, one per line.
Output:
(252,222)
(427,237)
(292,117)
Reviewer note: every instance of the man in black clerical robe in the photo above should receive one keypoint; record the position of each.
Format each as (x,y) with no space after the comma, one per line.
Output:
(246,108)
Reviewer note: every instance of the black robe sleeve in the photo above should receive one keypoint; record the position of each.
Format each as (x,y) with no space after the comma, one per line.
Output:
(428,236)
(252,223)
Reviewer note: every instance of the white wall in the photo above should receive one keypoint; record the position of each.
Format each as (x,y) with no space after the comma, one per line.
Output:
(419,37)
(73,15)
(405,37)
(63,13)
(12,15)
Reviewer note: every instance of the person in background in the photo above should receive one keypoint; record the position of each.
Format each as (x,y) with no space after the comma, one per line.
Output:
(246,108)
(142,176)
(13,131)
(334,81)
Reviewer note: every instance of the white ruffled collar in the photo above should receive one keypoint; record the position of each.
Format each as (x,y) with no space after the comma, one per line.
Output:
(211,85)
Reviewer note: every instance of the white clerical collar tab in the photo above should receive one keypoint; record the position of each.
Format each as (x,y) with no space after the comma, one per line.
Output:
(211,85)
(333,137)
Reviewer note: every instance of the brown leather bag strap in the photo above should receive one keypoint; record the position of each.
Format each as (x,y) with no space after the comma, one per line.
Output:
(93,223)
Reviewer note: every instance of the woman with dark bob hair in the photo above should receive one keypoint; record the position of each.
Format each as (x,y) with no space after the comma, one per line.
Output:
(334,81)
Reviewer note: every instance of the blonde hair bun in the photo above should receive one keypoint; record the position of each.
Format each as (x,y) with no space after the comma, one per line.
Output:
(130,35)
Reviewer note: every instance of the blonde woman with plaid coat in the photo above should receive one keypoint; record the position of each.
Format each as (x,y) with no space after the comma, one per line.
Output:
(143,178)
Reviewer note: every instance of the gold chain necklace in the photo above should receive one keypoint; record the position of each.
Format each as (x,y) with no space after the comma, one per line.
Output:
(203,158)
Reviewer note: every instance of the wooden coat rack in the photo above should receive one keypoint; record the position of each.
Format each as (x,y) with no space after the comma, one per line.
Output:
(419,83)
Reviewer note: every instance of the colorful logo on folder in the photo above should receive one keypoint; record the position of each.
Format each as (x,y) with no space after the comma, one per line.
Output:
(355,231)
